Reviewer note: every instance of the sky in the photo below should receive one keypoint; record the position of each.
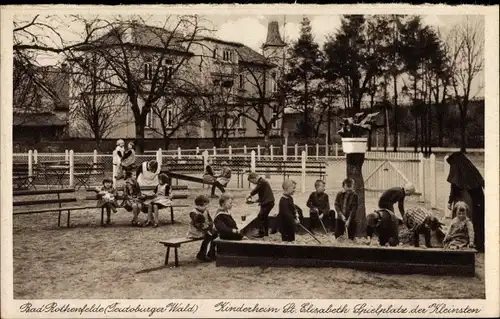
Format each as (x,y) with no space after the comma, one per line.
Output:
(251,30)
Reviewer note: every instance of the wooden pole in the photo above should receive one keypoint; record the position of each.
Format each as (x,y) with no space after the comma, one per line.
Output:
(71,168)
(421,177)
(303,173)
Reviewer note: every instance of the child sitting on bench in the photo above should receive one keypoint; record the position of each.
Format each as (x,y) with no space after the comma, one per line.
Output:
(201,226)
(134,199)
(162,199)
(106,195)
(224,222)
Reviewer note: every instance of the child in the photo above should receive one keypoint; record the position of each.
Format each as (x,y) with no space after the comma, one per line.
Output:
(461,232)
(106,196)
(201,226)
(346,206)
(162,199)
(396,195)
(133,197)
(266,202)
(287,216)
(128,159)
(318,203)
(223,179)
(117,157)
(208,176)
(224,222)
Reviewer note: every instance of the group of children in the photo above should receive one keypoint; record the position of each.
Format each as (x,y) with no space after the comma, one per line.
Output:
(134,200)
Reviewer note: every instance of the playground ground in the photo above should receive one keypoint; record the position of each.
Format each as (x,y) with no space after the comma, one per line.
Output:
(92,262)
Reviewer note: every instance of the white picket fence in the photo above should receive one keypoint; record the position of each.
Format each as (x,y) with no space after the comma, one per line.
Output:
(381,170)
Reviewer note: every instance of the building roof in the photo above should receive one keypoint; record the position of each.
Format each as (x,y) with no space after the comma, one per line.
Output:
(273,35)
(37,120)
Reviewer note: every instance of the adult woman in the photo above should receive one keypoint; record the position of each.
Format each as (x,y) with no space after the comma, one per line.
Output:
(467,185)
(147,173)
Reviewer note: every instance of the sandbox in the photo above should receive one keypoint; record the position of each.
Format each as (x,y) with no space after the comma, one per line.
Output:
(305,252)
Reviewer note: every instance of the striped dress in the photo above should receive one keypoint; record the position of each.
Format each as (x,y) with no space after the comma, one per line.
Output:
(415,217)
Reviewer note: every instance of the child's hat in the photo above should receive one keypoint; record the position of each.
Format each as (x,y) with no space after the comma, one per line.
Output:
(120,142)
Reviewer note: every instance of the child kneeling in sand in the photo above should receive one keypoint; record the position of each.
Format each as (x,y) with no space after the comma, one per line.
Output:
(202,226)
(224,222)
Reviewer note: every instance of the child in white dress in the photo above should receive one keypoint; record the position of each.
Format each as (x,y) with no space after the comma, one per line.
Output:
(162,199)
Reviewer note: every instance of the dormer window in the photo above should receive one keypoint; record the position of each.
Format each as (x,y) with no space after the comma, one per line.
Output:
(215,53)
(148,69)
(168,68)
(227,55)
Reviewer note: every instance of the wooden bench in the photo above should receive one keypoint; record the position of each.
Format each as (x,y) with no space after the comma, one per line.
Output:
(58,200)
(176,243)
(289,168)
(122,199)
(84,171)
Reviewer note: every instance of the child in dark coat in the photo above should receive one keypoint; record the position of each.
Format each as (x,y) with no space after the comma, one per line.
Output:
(346,206)
(202,226)
(266,202)
(224,222)
(287,216)
(318,203)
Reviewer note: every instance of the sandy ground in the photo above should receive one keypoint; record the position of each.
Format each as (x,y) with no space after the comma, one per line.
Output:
(120,261)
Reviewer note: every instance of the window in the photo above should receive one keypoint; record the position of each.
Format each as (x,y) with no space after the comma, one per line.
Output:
(276,122)
(168,68)
(242,81)
(215,53)
(150,119)
(148,71)
(227,55)
(274,83)
(169,116)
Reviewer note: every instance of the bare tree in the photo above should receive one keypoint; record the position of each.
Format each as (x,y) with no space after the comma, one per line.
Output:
(145,63)
(95,111)
(466,49)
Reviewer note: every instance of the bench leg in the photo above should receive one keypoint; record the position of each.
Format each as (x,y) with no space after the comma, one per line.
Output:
(102,216)
(166,256)
(69,216)
(59,219)
(176,257)
(172,216)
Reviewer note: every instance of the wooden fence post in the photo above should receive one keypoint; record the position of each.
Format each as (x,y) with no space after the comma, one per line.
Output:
(326,146)
(303,173)
(71,168)
(271,151)
(30,162)
(230,152)
(179,153)
(95,156)
(159,157)
(317,151)
(336,149)
(215,151)
(447,212)
(421,177)
(35,157)
(252,161)
(285,149)
(306,148)
(258,152)
(296,151)
(244,149)
(433,189)
(115,169)
(66,156)
(197,150)
(205,159)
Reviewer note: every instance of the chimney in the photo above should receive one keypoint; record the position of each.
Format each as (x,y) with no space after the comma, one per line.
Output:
(273,35)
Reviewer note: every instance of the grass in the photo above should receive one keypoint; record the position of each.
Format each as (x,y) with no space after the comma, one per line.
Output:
(88,261)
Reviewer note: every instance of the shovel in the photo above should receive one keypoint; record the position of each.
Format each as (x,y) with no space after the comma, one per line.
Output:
(323,225)
(307,231)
